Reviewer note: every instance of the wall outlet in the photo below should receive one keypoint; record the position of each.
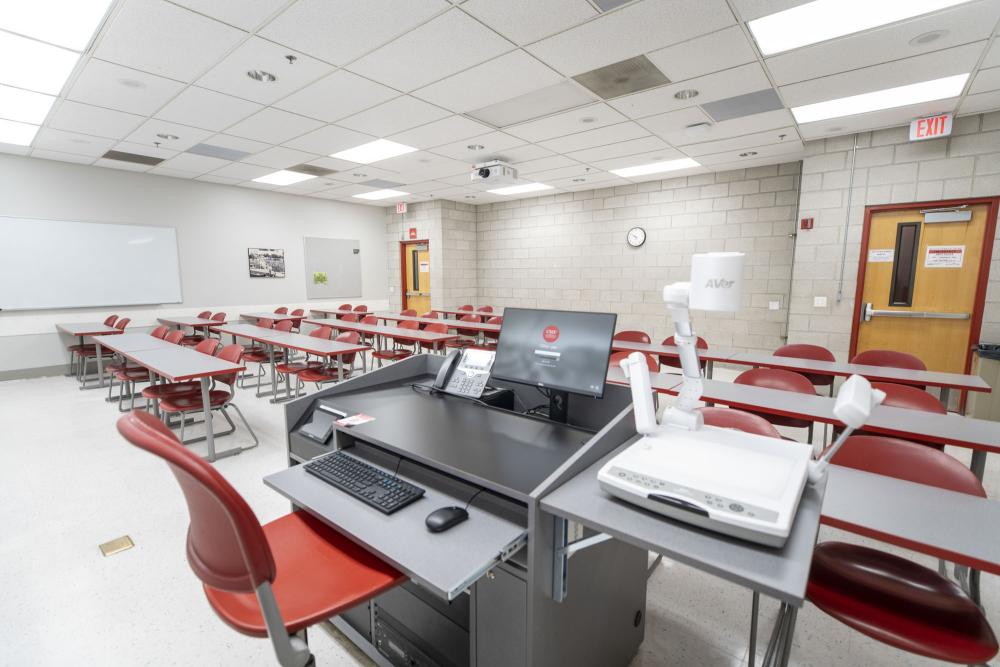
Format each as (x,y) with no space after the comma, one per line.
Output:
(774,305)
(819,302)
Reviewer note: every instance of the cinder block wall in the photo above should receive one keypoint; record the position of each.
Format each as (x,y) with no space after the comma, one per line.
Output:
(568,250)
(888,169)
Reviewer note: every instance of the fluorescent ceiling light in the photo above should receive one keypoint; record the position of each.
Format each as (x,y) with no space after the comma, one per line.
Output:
(283,177)
(821,20)
(24,105)
(32,65)
(381,194)
(68,23)
(521,189)
(890,98)
(19,134)
(373,151)
(655,167)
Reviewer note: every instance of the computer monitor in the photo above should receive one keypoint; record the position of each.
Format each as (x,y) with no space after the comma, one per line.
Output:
(559,351)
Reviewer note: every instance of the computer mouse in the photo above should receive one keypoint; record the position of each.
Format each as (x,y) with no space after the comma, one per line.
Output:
(444,518)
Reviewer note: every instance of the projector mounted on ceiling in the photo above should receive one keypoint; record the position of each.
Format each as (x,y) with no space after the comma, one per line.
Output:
(494,173)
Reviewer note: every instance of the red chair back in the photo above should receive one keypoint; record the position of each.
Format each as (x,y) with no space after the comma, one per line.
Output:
(436,327)
(110,320)
(633,336)
(265,323)
(159,332)
(908,461)
(122,323)
(349,318)
(231,353)
(409,312)
(468,332)
(432,314)
(651,362)
(207,346)
(361,308)
(174,337)
(322,332)
(281,311)
(911,398)
(369,319)
(344,306)
(284,325)
(299,311)
(485,309)
(890,358)
(675,362)
(219,317)
(409,324)
(351,338)
(776,378)
(739,420)
(806,351)
(204,315)
(226,545)
(467,306)
(495,335)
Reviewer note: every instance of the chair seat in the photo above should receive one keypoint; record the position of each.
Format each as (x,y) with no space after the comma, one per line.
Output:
(459,342)
(133,375)
(297,366)
(173,389)
(91,351)
(779,420)
(115,366)
(900,603)
(186,402)
(319,574)
(262,356)
(192,340)
(322,374)
(395,355)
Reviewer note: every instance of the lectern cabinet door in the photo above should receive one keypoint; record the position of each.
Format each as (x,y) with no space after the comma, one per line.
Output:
(501,614)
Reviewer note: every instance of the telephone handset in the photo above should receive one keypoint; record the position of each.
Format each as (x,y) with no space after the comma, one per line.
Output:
(465,372)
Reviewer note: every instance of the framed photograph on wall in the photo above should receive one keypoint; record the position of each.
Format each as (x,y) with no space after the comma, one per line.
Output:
(266,262)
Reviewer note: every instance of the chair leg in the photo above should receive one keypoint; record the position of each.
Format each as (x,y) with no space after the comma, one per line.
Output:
(291,651)
(244,420)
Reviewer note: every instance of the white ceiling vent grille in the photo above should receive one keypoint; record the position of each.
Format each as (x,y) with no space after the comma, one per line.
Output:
(743,105)
(122,156)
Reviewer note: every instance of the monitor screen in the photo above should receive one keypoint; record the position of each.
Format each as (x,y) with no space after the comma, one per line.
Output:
(555,349)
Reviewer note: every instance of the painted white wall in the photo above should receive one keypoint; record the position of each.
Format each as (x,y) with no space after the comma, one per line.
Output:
(215,226)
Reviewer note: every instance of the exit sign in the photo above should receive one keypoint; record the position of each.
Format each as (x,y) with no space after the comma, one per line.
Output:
(930,128)
(401,207)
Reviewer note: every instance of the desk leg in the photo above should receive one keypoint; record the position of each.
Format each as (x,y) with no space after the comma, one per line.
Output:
(754,613)
(100,367)
(156,403)
(945,395)
(709,369)
(209,428)
(340,368)
(978,465)
(274,375)
(779,648)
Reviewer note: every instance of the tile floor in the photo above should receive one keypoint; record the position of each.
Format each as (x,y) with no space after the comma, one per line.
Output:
(69,482)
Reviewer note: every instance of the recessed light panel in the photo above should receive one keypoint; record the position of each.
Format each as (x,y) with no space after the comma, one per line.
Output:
(282,177)
(19,134)
(890,98)
(34,66)
(373,151)
(23,105)
(821,20)
(655,167)
(382,194)
(521,189)
(538,103)
(67,23)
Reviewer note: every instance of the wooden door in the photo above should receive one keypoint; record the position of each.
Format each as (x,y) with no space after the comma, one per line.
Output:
(417,276)
(922,282)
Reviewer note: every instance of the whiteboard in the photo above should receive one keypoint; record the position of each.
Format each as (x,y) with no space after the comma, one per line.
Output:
(339,260)
(65,264)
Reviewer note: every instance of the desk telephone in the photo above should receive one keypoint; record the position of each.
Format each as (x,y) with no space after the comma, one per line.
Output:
(465,373)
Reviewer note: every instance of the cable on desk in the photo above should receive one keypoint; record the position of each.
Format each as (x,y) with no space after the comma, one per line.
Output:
(473,498)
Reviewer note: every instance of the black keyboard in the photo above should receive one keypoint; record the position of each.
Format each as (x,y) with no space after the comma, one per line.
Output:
(372,486)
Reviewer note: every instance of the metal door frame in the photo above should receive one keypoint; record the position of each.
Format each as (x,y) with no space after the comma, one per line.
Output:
(402,266)
(984,263)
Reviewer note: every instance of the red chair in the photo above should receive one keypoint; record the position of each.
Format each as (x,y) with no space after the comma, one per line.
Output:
(299,314)
(175,337)
(615,360)
(675,362)
(485,309)
(891,599)
(88,351)
(283,325)
(160,331)
(361,309)
(469,336)
(632,336)
(776,378)
(273,580)
(891,359)
(910,398)
(155,392)
(811,352)
(281,311)
(739,420)
(409,312)
(330,372)
(399,349)
(214,328)
(195,338)
(290,368)
(370,320)
(74,349)
(343,308)
(265,323)
(430,315)
(368,338)
(490,338)
(467,306)
(260,355)
(352,317)
(218,399)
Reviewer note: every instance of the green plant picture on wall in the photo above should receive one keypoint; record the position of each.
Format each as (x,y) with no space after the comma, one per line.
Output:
(319,278)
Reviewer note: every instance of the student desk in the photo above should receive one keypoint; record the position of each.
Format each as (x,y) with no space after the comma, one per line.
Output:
(459,313)
(193,322)
(709,356)
(291,341)
(481,327)
(180,364)
(276,317)
(95,329)
(423,338)
(337,313)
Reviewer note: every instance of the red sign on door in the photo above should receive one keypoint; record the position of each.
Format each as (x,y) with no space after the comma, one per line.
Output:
(413,233)
(930,128)
(551,333)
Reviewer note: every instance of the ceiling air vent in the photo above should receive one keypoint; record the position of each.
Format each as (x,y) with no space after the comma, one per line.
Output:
(381,183)
(608,5)
(743,105)
(122,156)
(209,150)
(622,78)
(312,170)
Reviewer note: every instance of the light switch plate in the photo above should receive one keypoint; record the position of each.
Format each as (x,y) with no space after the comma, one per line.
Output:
(774,305)
(819,302)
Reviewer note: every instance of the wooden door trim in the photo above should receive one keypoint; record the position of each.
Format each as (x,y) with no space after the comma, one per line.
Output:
(402,267)
(984,263)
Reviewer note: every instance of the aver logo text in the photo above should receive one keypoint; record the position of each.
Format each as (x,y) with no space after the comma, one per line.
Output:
(719,283)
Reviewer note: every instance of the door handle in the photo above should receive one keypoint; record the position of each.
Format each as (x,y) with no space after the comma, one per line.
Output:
(870,313)
(866,313)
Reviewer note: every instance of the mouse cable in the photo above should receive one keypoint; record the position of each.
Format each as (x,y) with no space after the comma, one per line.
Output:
(395,473)
(473,498)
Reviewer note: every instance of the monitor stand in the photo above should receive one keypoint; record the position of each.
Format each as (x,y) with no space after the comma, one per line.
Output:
(558,406)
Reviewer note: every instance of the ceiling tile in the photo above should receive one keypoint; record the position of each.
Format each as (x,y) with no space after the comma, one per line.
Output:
(333,163)
(782,135)
(599,137)
(124,166)
(71,142)
(619,149)
(280,157)
(568,122)
(924,67)
(364,172)
(192,164)
(394,116)
(424,166)
(339,31)
(992,58)
(425,186)
(441,132)
(186,136)
(230,75)
(87,119)
(538,103)
(704,55)
(754,9)
(786,150)
(11,149)
(143,149)
(979,103)
(544,164)
(212,178)
(769,120)
(308,187)
(116,87)
(245,14)
(642,27)
(963,24)
(549,175)
(720,85)
(671,125)
(62,157)
(236,143)
(492,143)
(273,126)
(523,153)
(207,109)
(160,170)
(511,75)
(985,81)
(335,96)
(598,179)
(328,140)
(439,48)
(874,120)
(161,38)
(525,21)
(659,155)
(242,171)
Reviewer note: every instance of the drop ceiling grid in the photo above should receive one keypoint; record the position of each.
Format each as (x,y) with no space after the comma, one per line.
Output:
(721,22)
